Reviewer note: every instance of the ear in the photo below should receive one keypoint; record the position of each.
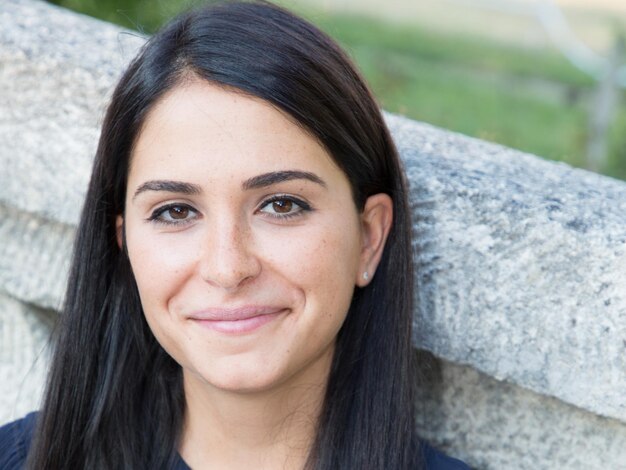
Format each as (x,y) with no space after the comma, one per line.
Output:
(119,229)
(376,220)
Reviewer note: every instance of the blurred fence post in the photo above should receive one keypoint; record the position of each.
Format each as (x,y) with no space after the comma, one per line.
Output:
(603,109)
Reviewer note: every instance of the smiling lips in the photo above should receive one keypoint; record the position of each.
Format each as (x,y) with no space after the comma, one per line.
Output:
(236,320)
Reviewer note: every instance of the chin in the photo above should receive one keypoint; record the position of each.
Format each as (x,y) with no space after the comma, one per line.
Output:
(238,381)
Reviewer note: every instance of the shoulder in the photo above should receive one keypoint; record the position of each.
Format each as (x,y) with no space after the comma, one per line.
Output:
(435,460)
(15,441)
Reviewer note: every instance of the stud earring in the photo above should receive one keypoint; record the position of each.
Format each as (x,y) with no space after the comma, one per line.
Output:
(366,275)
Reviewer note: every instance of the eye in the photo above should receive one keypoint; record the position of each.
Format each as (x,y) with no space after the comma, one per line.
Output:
(284,206)
(173,214)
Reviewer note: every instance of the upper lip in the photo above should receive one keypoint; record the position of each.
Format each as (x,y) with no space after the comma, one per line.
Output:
(234,314)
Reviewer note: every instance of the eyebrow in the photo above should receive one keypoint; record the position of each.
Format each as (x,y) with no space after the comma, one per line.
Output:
(168,186)
(260,181)
(274,177)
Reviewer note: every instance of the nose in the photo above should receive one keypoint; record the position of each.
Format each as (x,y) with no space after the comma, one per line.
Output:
(228,257)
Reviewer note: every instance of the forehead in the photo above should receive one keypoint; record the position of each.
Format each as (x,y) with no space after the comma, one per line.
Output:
(200,130)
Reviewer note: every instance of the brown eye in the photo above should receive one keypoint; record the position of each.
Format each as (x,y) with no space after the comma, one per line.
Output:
(282,206)
(174,214)
(178,212)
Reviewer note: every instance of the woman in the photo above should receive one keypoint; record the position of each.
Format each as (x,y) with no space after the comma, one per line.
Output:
(240,294)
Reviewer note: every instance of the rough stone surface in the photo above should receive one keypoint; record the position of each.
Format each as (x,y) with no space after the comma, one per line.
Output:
(34,257)
(59,69)
(521,262)
(521,266)
(24,356)
(494,425)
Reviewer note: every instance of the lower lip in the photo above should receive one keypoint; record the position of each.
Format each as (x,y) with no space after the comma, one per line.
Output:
(246,325)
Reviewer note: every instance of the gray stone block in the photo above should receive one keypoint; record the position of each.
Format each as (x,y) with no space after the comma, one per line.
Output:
(24,356)
(58,69)
(521,266)
(494,425)
(34,257)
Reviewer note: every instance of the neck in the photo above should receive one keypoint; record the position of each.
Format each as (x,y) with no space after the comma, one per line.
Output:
(273,428)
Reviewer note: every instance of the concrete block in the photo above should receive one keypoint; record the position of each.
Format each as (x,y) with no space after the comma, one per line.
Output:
(24,356)
(494,425)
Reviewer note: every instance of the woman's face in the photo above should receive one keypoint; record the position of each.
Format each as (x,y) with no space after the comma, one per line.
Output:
(244,239)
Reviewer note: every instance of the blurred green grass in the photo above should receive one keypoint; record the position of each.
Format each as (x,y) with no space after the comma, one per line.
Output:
(527,99)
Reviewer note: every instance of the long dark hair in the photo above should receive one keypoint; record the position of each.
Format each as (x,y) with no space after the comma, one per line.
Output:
(114,397)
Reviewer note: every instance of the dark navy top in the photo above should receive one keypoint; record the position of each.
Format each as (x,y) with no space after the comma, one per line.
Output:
(15,440)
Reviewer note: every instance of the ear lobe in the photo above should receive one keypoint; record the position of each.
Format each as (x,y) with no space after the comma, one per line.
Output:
(376,220)
(119,228)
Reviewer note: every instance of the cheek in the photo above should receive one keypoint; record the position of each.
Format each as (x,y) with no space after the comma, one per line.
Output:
(317,254)
(160,264)
(321,262)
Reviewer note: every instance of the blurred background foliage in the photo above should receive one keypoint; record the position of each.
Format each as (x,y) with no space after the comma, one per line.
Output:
(523,97)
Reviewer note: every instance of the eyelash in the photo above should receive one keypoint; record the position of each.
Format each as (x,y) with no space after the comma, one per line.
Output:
(158,212)
(303,206)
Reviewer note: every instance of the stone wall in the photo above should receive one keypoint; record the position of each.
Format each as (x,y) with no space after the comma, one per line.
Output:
(521,286)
